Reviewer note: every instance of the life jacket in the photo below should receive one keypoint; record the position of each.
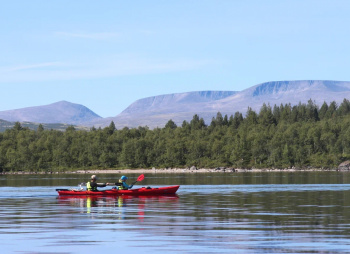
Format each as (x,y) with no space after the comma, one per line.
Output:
(89,188)
(121,186)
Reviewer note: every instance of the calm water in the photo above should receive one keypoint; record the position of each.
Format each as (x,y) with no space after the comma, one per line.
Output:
(212,213)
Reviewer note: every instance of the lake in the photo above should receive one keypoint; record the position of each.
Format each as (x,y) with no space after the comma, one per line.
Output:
(266,212)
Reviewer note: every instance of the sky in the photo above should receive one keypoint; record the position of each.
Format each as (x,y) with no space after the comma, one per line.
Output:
(107,54)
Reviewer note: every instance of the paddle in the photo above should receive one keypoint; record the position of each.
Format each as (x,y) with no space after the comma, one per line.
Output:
(139,179)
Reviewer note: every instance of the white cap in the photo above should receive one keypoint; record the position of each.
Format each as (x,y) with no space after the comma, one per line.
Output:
(94,177)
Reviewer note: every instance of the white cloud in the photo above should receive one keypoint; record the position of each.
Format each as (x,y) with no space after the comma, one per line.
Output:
(97,68)
(30,66)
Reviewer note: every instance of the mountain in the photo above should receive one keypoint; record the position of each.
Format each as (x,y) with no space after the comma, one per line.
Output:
(59,112)
(175,103)
(156,111)
(282,92)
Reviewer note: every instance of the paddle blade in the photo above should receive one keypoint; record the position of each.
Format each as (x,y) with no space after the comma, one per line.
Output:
(140,178)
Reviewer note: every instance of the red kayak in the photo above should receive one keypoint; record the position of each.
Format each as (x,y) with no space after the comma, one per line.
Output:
(144,191)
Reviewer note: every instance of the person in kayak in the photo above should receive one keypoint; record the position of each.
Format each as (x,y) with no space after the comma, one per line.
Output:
(92,185)
(121,184)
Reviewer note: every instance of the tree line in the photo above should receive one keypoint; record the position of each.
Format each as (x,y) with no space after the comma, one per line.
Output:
(303,135)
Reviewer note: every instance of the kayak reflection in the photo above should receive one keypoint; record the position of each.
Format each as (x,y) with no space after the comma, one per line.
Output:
(114,204)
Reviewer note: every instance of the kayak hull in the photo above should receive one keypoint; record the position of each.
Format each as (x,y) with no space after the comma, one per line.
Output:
(144,191)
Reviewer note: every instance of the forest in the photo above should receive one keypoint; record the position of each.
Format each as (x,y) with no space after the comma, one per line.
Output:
(284,136)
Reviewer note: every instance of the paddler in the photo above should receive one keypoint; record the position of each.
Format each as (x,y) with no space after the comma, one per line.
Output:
(121,184)
(92,185)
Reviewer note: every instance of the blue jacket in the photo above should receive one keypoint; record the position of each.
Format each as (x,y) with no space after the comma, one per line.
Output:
(124,185)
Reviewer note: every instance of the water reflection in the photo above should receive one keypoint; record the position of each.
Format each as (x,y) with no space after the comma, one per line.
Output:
(115,204)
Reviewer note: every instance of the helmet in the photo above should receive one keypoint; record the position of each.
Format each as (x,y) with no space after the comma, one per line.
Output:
(94,177)
(123,178)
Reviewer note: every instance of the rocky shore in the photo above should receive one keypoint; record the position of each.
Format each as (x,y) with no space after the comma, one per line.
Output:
(199,170)
(192,169)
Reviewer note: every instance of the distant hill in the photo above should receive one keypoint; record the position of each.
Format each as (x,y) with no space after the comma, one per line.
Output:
(59,112)
(156,111)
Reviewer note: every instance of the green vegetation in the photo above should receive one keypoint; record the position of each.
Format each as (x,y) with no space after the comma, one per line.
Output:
(278,137)
(4,125)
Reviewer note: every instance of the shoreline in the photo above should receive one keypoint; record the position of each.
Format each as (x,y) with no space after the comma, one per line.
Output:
(174,170)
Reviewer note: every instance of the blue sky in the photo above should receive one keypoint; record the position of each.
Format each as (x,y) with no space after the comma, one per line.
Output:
(107,54)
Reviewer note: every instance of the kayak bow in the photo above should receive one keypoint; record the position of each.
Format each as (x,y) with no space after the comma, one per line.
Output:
(169,190)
